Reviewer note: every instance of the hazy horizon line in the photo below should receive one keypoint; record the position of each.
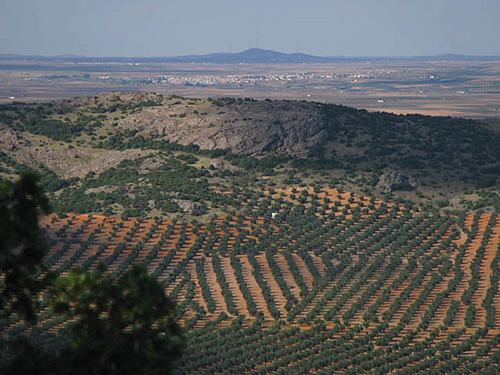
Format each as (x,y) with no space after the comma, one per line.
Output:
(69,55)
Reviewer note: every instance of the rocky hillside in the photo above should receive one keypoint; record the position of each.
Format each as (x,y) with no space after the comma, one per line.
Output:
(302,129)
(80,141)
(332,136)
(242,126)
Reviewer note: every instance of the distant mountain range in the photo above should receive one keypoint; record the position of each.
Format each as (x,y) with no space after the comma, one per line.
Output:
(250,56)
(254,56)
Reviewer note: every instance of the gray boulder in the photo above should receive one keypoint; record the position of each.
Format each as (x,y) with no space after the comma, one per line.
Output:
(397,181)
(191,208)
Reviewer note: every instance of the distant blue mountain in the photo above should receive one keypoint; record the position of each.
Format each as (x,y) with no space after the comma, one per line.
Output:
(250,56)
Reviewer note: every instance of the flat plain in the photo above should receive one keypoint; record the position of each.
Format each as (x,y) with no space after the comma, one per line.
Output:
(441,88)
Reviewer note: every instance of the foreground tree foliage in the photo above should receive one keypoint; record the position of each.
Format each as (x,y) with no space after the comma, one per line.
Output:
(21,245)
(122,327)
(117,325)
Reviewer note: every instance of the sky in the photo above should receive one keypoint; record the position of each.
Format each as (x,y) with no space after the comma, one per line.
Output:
(179,27)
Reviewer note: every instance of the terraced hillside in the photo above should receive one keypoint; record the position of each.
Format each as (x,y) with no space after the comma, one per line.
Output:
(309,281)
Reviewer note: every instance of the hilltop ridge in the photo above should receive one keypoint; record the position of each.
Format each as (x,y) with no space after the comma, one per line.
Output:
(118,144)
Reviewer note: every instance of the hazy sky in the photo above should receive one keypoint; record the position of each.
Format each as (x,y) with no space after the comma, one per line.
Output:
(177,27)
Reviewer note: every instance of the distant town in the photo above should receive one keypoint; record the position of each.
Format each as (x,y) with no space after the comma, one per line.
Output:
(449,88)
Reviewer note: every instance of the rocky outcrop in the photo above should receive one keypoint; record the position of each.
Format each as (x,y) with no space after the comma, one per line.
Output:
(191,208)
(222,165)
(397,181)
(243,127)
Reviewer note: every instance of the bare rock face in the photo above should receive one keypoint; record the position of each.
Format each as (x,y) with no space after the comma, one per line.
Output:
(243,127)
(190,208)
(393,181)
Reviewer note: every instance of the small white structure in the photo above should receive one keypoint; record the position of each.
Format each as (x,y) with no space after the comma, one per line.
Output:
(273,215)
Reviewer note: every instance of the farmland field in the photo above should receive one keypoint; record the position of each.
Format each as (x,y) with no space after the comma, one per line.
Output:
(315,281)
